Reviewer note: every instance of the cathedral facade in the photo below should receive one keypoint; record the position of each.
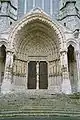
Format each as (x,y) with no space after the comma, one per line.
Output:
(40,46)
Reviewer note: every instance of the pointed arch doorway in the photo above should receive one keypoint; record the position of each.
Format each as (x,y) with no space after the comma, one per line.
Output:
(37,75)
(72,67)
(36,36)
(2,62)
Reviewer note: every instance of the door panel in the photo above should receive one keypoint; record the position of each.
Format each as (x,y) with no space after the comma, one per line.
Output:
(32,75)
(43,75)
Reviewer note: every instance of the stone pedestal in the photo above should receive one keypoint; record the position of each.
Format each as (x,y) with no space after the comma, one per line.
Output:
(6,85)
(7,81)
(66,86)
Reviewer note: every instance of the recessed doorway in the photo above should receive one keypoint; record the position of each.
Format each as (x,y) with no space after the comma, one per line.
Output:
(72,67)
(2,62)
(37,75)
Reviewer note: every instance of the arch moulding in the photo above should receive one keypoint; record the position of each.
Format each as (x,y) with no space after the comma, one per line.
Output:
(72,42)
(31,18)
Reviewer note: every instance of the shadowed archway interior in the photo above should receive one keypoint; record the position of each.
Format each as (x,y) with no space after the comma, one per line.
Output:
(2,62)
(72,67)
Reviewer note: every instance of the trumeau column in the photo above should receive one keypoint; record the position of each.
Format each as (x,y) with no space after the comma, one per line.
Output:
(66,86)
(7,85)
(37,72)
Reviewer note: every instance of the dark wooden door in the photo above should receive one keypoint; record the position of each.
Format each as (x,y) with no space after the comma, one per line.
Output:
(43,75)
(32,75)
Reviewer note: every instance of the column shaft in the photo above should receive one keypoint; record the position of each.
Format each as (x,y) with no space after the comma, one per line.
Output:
(25,3)
(78,70)
(6,85)
(33,3)
(37,75)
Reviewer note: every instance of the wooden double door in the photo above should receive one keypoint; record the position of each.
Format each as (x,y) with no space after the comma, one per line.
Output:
(42,75)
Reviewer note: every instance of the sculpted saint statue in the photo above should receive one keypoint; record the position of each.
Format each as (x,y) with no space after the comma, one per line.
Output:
(9,60)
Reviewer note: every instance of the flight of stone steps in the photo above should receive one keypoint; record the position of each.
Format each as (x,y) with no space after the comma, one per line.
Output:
(22,104)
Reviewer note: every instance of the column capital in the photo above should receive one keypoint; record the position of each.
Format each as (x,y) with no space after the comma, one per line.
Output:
(63,51)
(11,50)
(77,52)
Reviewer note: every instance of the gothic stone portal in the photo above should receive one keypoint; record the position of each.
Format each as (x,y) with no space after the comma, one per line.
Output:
(36,56)
(37,59)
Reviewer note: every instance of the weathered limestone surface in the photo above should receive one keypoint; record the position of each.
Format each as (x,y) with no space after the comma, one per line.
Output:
(18,105)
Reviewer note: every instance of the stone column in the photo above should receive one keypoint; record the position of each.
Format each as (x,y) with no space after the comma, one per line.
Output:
(66,86)
(37,75)
(78,70)
(25,3)
(33,3)
(6,85)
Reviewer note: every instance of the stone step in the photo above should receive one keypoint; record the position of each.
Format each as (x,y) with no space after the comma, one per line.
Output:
(20,104)
(42,110)
(37,113)
(35,106)
(39,109)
